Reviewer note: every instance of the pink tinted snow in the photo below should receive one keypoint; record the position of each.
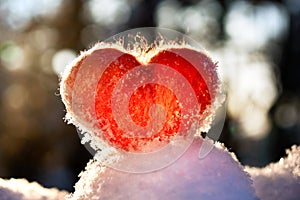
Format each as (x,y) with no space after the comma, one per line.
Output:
(218,176)
(280,180)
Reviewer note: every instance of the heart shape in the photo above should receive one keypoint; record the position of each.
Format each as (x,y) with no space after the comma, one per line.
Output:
(93,81)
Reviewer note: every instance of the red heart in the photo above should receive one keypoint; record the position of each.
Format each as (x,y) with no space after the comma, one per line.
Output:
(194,66)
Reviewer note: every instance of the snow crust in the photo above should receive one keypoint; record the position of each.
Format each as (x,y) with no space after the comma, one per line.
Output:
(21,189)
(217,176)
(279,180)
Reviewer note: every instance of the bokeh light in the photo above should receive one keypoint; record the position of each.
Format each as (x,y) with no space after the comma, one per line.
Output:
(11,55)
(109,13)
(20,13)
(252,26)
(61,59)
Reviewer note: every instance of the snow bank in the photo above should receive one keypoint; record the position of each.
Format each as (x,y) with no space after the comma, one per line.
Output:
(279,180)
(21,189)
(218,176)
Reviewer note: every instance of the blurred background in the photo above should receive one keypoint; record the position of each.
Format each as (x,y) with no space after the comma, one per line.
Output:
(257,44)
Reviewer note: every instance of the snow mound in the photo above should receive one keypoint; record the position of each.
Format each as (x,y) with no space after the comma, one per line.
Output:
(217,176)
(279,180)
(21,189)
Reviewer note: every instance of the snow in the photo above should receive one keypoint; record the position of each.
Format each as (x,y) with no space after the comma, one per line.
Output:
(279,180)
(217,176)
(21,189)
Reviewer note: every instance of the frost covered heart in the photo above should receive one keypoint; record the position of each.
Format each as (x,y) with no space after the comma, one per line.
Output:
(140,98)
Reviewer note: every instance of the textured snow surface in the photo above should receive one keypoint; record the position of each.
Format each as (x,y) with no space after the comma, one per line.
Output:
(217,176)
(279,180)
(21,189)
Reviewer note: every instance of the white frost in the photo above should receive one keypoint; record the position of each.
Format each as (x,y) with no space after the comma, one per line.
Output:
(217,176)
(279,180)
(21,189)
